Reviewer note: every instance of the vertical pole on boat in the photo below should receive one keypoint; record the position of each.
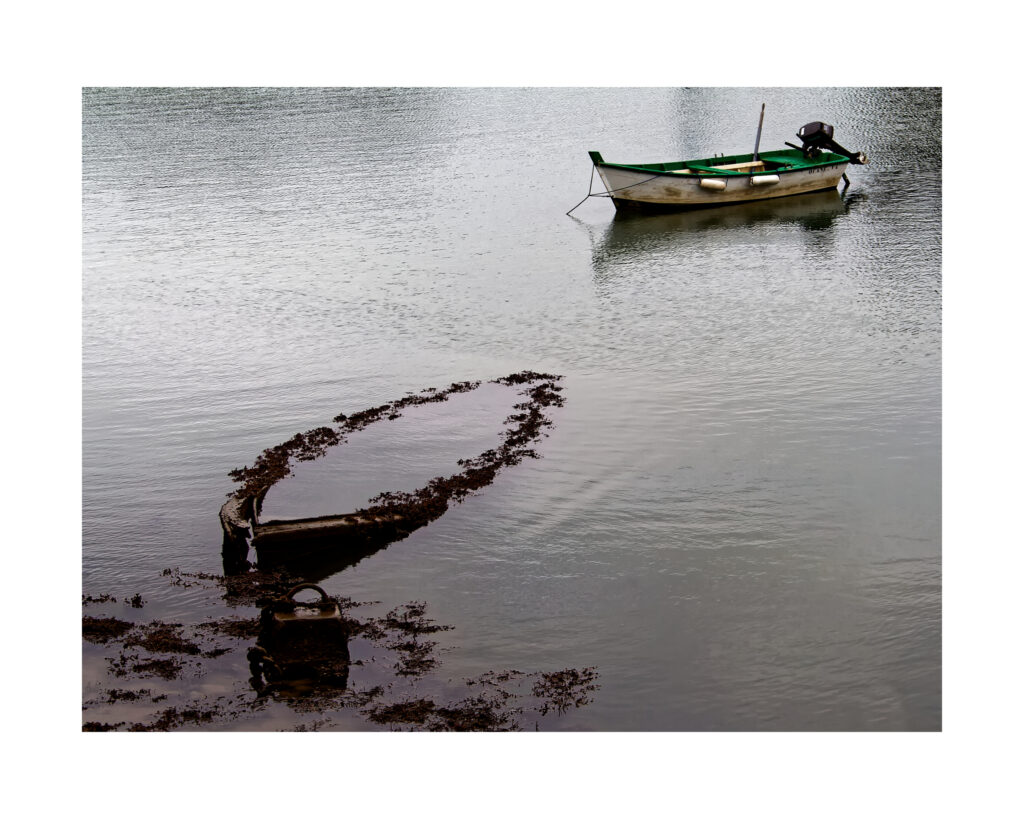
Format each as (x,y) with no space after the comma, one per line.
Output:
(757,142)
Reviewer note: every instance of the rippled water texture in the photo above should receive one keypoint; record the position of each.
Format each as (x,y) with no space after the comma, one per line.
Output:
(737,513)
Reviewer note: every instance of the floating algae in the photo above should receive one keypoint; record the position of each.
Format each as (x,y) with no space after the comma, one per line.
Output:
(344,539)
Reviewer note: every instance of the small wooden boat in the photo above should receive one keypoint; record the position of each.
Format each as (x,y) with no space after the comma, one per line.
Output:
(817,164)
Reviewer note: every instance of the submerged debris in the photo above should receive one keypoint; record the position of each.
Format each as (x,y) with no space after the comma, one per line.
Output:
(296,643)
(314,679)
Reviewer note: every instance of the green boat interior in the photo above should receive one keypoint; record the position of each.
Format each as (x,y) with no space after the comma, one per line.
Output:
(738,165)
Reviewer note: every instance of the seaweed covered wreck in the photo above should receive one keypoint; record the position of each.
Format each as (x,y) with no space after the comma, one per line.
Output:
(343,539)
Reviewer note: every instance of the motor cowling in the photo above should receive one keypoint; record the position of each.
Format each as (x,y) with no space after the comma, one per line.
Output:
(817,137)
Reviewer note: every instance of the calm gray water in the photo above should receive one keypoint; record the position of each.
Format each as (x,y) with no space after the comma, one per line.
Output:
(736,518)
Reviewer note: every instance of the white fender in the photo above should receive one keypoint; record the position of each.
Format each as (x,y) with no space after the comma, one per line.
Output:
(713,184)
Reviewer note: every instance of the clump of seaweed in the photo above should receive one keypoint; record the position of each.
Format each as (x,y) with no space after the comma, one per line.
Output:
(239,628)
(127,695)
(313,726)
(273,464)
(525,377)
(130,665)
(561,690)
(135,601)
(411,619)
(155,638)
(408,711)
(188,579)
(401,629)
(103,629)
(484,712)
(173,717)
(498,706)
(93,725)
(103,598)
(251,587)
(161,638)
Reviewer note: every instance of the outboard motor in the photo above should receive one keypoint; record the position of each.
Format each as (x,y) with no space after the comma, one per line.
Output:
(817,136)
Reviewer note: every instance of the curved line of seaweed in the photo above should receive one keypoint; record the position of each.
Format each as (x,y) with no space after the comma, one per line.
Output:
(431,501)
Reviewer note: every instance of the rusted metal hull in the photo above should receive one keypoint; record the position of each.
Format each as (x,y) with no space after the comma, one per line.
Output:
(630,188)
(282,542)
(337,540)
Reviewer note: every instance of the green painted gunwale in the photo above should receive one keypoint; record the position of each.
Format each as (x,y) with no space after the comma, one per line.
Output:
(789,161)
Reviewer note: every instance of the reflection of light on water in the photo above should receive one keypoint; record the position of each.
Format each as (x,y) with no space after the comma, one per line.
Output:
(427,441)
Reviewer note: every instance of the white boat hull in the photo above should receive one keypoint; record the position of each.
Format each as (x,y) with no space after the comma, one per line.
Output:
(642,188)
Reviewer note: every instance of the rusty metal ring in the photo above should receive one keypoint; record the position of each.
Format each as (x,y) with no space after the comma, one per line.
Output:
(324,599)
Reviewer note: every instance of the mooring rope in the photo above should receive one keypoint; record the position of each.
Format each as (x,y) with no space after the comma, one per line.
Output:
(590,192)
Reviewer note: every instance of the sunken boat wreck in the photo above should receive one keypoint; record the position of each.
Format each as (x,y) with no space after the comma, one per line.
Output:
(331,542)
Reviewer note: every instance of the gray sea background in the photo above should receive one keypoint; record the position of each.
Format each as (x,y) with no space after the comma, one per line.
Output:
(737,515)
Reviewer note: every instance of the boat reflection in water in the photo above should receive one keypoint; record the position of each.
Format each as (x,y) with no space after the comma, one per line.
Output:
(630,231)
